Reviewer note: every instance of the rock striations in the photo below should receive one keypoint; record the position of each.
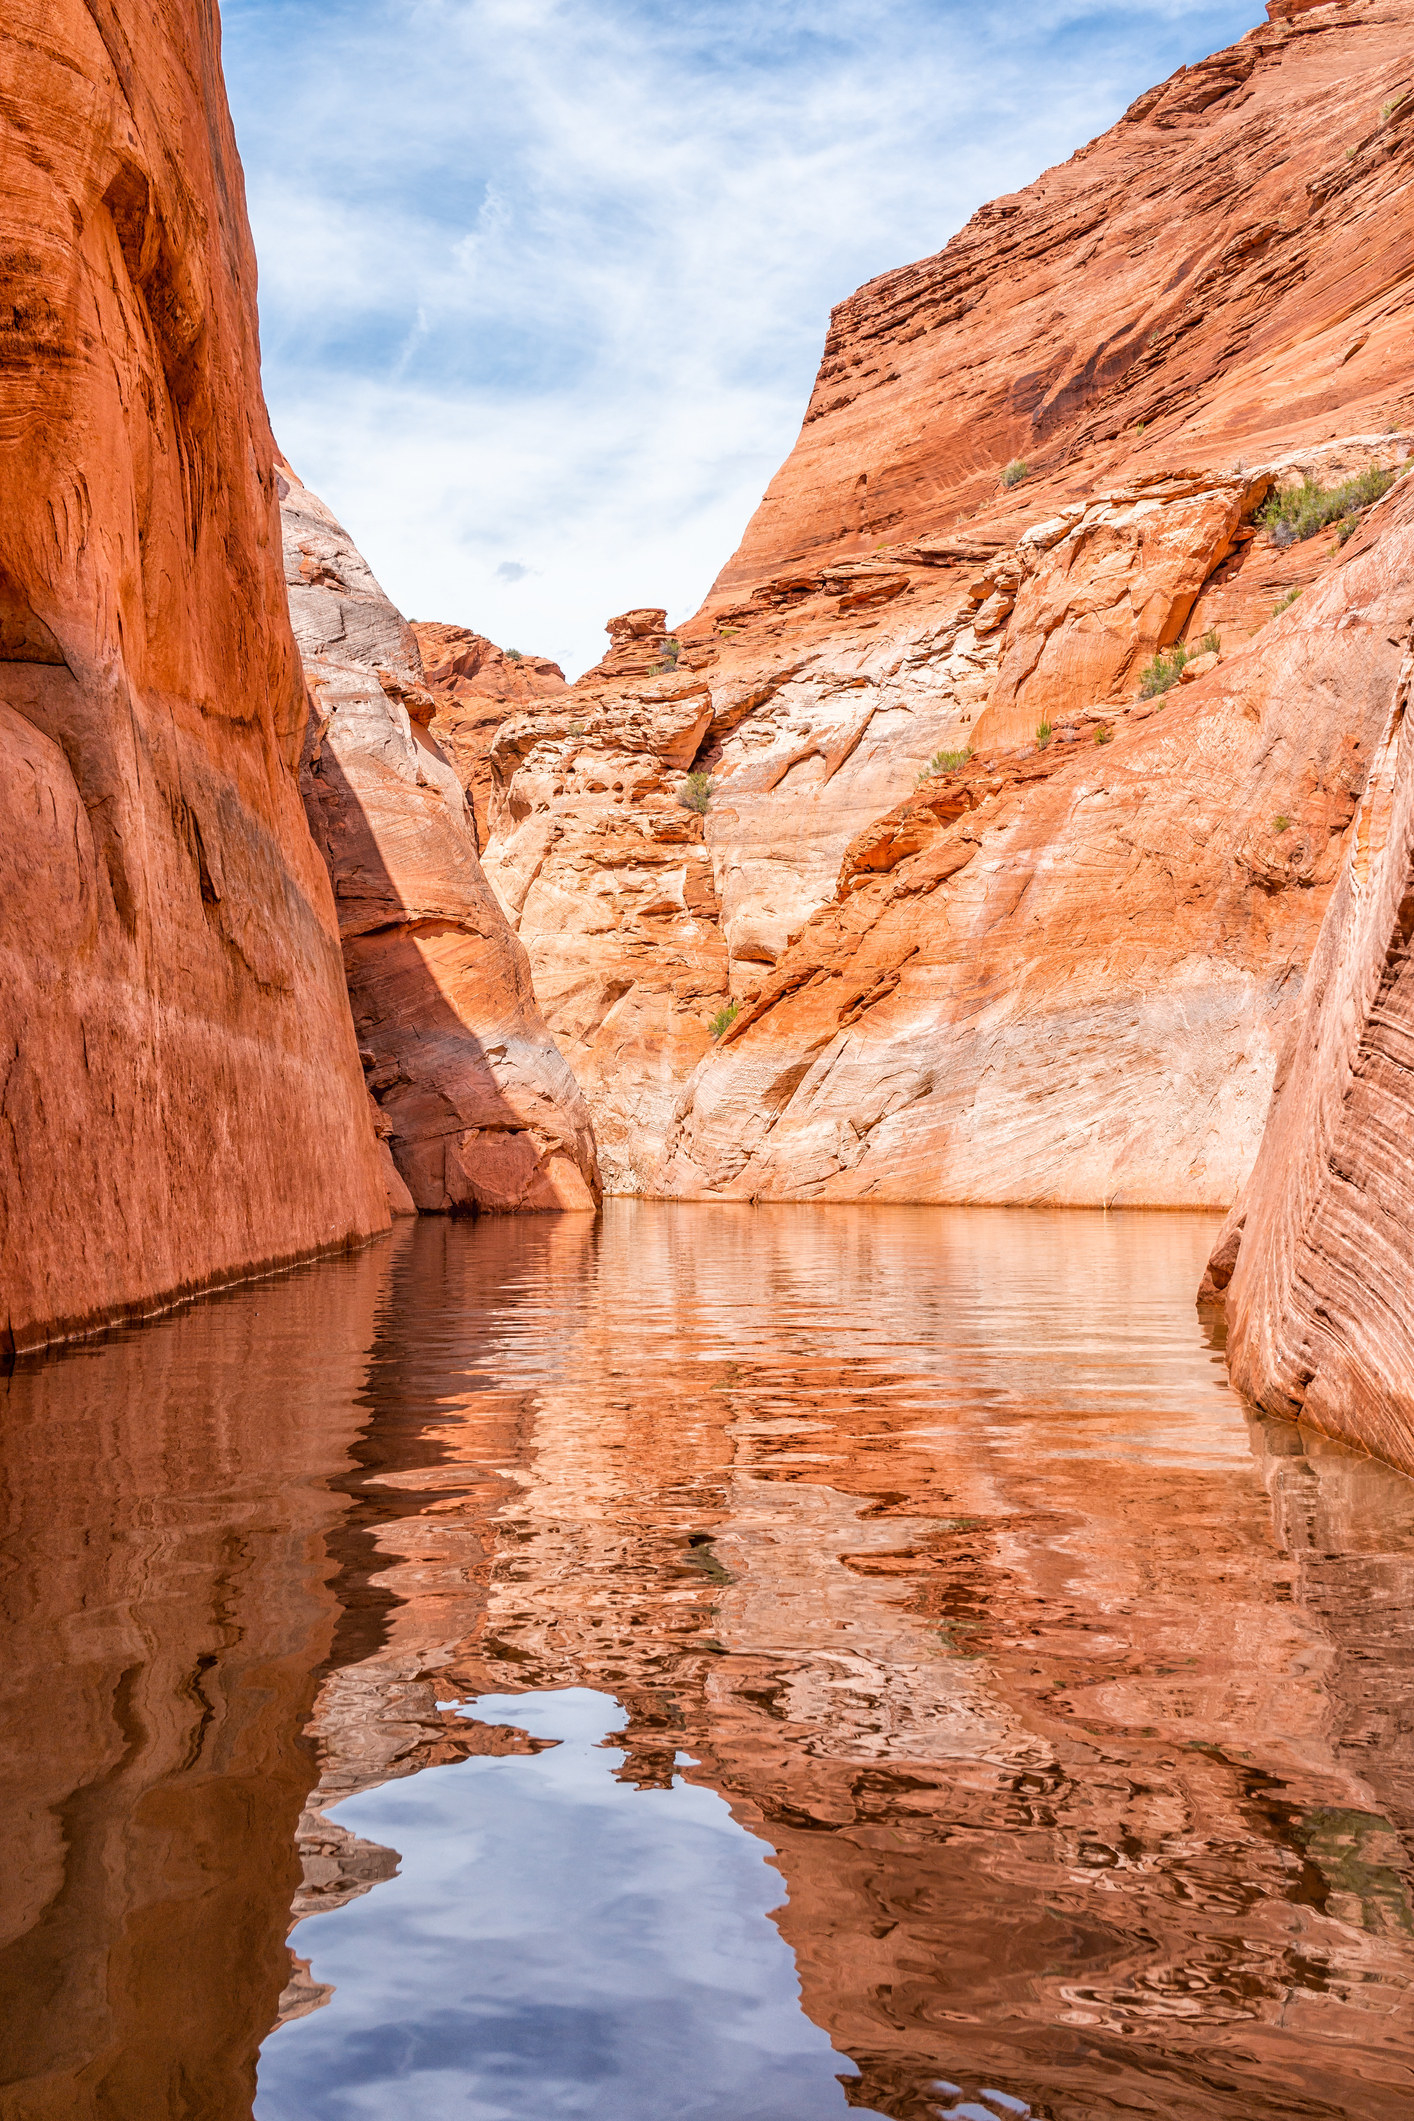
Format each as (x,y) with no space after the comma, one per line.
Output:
(1001,921)
(473,1098)
(182,1097)
(1319,1312)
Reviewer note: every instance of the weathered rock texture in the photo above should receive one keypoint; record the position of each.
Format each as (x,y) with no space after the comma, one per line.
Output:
(477,686)
(1063,972)
(1321,1303)
(474,1100)
(181,1092)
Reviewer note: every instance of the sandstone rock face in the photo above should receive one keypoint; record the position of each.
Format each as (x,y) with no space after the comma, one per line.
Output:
(1320,1319)
(477,1106)
(477,686)
(999,926)
(182,1096)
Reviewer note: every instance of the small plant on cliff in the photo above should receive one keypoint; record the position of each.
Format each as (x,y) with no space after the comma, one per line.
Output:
(1043,735)
(1285,603)
(1014,473)
(1166,670)
(1279,824)
(696,792)
(513,655)
(945,762)
(724,1018)
(1304,510)
(1104,735)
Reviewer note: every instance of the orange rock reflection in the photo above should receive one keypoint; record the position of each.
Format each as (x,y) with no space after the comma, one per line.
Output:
(1075,1704)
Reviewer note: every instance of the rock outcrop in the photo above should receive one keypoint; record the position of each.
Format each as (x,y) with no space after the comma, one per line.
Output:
(997,926)
(181,1092)
(1318,1257)
(476,1104)
(477,686)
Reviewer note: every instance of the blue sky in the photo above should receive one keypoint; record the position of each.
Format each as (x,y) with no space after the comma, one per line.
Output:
(544,283)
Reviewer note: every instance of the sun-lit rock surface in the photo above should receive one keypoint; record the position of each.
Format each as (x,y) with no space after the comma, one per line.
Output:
(182,1097)
(1320,1307)
(476,687)
(478,1108)
(1078,990)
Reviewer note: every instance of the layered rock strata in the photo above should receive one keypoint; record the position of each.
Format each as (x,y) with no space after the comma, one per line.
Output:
(181,1091)
(474,1100)
(1317,1260)
(998,927)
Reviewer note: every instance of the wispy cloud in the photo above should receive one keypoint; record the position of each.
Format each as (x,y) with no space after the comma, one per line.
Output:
(544,282)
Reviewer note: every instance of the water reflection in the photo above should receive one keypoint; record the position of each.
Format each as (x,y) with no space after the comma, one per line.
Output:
(556,1943)
(1074,1706)
(166,1605)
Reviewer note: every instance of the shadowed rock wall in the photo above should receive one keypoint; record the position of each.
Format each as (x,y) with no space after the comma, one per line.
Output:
(477,1105)
(182,1099)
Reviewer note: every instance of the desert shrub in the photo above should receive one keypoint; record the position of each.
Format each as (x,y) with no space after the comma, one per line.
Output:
(513,655)
(945,762)
(1310,507)
(1279,824)
(696,792)
(723,1018)
(1285,603)
(1043,735)
(1166,670)
(1015,472)
(1104,735)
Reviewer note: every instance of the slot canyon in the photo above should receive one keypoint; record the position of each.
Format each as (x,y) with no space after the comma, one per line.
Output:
(827,1209)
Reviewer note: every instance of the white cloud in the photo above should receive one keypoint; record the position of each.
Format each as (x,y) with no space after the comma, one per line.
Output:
(544,282)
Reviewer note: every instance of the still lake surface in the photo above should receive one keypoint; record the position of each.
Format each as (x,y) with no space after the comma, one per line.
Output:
(707,1664)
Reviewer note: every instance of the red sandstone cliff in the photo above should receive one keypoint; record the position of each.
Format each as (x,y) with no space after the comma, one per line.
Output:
(1064,968)
(475,1101)
(182,1096)
(1320,1317)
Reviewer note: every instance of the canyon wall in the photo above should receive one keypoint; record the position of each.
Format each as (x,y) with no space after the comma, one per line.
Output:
(1316,1260)
(182,1096)
(995,926)
(474,1101)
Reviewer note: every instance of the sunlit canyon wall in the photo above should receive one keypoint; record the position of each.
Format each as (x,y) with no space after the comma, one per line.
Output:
(182,1096)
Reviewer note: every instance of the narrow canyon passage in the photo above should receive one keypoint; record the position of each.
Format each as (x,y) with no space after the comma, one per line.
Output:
(747,1664)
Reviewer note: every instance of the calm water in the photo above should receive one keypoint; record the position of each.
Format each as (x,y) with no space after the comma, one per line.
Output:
(728,1664)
